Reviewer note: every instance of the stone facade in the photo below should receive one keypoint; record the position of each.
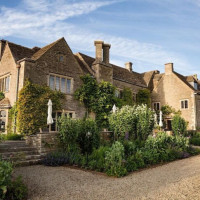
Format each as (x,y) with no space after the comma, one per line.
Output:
(57,60)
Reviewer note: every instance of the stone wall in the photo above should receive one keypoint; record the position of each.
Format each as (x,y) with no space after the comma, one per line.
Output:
(43,142)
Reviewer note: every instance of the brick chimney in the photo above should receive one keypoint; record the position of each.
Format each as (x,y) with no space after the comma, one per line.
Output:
(106,53)
(99,47)
(128,66)
(2,46)
(169,69)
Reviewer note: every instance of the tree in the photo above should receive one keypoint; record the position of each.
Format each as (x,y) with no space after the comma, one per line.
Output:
(179,125)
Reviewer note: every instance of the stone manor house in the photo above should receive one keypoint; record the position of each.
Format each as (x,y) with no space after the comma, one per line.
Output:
(55,65)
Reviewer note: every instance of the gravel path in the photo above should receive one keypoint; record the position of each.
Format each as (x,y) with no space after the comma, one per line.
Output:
(176,180)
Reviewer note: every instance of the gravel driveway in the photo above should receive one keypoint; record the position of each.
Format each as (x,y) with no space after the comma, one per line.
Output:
(176,180)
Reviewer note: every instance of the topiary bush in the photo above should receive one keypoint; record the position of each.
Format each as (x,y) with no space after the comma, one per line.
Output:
(136,121)
(114,160)
(179,125)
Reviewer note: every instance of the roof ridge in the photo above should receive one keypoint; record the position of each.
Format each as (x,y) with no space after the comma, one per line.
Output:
(17,45)
(44,49)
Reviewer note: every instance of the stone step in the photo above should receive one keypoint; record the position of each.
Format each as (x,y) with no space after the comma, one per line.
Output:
(8,154)
(22,157)
(16,149)
(28,162)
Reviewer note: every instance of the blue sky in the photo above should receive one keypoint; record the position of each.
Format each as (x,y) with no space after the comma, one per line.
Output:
(148,33)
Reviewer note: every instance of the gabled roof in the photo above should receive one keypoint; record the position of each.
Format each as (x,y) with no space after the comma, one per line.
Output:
(19,52)
(43,50)
(119,73)
(82,64)
(5,103)
(191,78)
(184,79)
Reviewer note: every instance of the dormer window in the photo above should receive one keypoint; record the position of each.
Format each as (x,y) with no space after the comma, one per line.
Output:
(195,86)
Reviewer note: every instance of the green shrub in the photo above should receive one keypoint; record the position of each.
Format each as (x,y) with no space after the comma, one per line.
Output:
(78,134)
(17,190)
(89,136)
(179,125)
(163,147)
(195,141)
(137,121)
(130,148)
(97,159)
(135,161)
(114,160)
(14,137)
(5,177)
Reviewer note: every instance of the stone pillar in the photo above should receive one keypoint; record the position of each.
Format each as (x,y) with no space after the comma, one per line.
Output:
(106,53)
(128,66)
(169,69)
(99,53)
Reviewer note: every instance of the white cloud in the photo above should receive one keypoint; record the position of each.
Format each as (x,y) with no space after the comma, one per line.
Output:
(46,20)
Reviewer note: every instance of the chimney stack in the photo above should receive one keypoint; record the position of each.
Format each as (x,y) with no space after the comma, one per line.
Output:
(106,53)
(128,66)
(99,47)
(169,69)
(2,46)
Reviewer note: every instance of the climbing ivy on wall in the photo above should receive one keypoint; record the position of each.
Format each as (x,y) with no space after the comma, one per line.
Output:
(126,98)
(32,107)
(97,97)
(1,96)
(144,97)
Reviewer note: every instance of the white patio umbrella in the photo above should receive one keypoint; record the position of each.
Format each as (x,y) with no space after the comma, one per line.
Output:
(114,109)
(155,119)
(49,118)
(160,122)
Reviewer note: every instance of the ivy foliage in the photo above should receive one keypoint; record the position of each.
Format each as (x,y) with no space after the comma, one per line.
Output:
(167,110)
(137,121)
(179,125)
(32,107)
(97,97)
(144,97)
(126,98)
(2,96)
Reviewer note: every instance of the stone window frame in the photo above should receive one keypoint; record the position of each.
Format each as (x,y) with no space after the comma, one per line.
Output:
(5,119)
(73,116)
(155,105)
(183,104)
(3,88)
(61,76)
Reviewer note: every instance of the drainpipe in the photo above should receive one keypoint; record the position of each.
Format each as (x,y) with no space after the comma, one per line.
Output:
(17,90)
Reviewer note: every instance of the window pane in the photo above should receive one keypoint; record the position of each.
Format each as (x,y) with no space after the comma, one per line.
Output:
(186,104)
(57,83)
(7,82)
(2,125)
(51,82)
(158,106)
(182,104)
(63,85)
(68,85)
(70,115)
